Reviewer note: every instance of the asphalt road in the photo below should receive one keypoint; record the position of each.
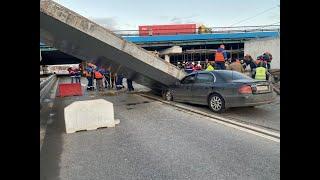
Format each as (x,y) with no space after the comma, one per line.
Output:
(153,141)
(264,116)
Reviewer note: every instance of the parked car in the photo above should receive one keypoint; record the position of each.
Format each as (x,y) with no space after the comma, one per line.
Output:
(220,89)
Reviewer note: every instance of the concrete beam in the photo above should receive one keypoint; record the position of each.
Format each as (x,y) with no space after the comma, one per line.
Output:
(167,58)
(76,35)
(173,49)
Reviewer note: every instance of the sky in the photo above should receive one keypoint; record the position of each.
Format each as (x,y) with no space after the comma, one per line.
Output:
(129,14)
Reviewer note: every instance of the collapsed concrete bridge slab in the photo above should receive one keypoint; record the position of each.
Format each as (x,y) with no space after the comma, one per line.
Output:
(76,35)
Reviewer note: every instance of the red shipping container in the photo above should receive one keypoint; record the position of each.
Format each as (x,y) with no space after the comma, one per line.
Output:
(145,30)
(167,29)
(70,89)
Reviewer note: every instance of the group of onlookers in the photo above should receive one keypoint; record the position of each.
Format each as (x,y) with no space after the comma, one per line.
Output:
(101,77)
(221,62)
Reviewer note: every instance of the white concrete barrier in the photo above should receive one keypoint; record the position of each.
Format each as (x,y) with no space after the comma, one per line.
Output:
(89,115)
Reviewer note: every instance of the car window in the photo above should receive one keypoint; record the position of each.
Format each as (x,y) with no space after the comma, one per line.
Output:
(237,75)
(204,78)
(188,79)
(223,77)
(227,76)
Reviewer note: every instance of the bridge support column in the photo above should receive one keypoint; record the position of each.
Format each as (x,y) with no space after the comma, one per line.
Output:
(167,58)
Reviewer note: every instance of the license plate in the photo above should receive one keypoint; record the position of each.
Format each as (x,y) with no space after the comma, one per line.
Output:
(262,88)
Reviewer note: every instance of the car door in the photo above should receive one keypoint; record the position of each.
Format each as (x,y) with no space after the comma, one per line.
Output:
(182,92)
(202,87)
(225,86)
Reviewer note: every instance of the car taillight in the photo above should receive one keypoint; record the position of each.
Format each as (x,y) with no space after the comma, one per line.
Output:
(246,89)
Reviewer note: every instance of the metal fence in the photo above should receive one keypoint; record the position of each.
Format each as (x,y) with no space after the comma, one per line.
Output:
(235,29)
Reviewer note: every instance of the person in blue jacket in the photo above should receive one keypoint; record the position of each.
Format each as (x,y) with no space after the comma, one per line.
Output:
(119,82)
(89,75)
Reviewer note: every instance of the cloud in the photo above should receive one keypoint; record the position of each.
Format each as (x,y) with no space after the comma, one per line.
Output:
(108,22)
(163,17)
(112,24)
(187,19)
(176,19)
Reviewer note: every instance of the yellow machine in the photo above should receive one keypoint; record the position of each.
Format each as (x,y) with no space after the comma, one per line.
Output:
(204,29)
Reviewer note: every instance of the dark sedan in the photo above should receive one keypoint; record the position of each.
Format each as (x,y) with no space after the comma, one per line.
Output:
(220,89)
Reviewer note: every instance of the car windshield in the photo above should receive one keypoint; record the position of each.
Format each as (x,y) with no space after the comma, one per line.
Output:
(189,79)
(228,76)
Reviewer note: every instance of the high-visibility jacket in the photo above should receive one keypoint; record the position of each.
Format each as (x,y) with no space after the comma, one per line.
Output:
(219,57)
(98,75)
(261,73)
(210,68)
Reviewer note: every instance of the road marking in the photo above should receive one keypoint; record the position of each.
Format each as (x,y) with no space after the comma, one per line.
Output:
(228,122)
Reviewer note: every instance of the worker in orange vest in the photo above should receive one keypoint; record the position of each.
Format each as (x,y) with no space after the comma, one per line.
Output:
(220,57)
(99,79)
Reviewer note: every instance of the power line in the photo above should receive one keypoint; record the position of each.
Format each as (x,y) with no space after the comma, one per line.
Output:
(273,24)
(276,23)
(255,15)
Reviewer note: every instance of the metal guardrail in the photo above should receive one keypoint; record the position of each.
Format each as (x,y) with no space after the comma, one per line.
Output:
(46,86)
(213,31)
(48,79)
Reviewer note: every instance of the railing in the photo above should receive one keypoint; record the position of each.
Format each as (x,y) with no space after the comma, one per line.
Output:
(235,29)
(46,85)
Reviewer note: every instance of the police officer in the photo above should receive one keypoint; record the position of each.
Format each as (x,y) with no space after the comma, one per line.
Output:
(260,72)
(209,67)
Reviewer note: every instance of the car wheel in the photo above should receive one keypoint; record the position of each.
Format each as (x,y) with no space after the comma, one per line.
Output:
(216,103)
(168,96)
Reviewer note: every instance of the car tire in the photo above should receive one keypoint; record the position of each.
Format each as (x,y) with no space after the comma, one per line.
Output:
(167,95)
(216,103)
